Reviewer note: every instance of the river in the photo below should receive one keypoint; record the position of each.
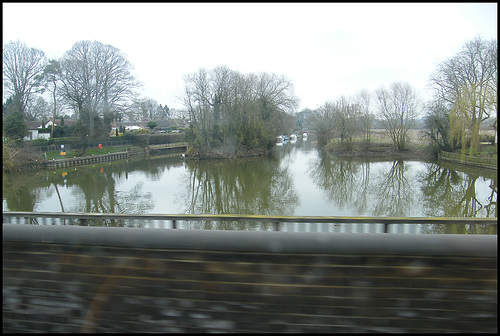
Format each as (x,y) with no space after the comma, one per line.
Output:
(296,179)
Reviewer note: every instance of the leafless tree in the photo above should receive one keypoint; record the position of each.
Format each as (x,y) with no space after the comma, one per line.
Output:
(145,109)
(22,67)
(323,123)
(40,109)
(399,107)
(97,80)
(467,83)
(363,101)
(225,106)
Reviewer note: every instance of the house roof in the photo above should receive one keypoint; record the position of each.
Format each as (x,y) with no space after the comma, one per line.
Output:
(36,124)
(159,123)
(33,124)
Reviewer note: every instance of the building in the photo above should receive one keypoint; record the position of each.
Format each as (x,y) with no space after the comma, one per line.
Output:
(41,130)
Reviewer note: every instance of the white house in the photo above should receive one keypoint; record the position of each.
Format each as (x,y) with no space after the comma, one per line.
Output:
(34,127)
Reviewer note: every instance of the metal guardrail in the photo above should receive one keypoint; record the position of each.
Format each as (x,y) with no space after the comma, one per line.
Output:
(238,222)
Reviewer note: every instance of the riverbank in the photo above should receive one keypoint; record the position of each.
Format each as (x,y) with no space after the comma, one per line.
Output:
(26,160)
(381,146)
(381,151)
(216,153)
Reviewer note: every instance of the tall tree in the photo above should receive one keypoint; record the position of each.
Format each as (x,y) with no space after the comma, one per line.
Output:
(323,123)
(363,101)
(467,84)
(40,110)
(21,69)
(14,126)
(97,81)
(235,111)
(437,123)
(164,112)
(399,107)
(51,78)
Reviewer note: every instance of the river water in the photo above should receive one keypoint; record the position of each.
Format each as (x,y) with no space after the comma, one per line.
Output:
(296,179)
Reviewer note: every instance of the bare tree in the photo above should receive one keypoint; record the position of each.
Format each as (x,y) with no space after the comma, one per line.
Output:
(363,101)
(467,83)
(41,109)
(97,80)
(21,69)
(399,107)
(323,123)
(337,119)
(51,78)
(346,121)
(146,109)
(229,109)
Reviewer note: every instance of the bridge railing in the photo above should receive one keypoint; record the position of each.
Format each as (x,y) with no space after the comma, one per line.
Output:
(334,224)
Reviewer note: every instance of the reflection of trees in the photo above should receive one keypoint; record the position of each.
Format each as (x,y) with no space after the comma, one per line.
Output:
(348,183)
(448,193)
(100,195)
(96,192)
(492,199)
(19,192)
(393,192)
(244,186)
(363,195)
(337,177)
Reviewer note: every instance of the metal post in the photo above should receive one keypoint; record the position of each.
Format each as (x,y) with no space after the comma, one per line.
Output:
(276,226)
(173,224)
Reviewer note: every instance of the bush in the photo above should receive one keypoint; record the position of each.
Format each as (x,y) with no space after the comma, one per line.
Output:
(130,136)
(17,157)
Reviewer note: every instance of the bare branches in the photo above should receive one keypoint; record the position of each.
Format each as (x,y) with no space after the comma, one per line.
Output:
(399,108)
(21,67)
(97,80)
(467,83)
(226,106)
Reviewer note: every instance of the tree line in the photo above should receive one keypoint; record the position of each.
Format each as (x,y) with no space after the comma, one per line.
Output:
(230,112)
(93,80)
(464,97)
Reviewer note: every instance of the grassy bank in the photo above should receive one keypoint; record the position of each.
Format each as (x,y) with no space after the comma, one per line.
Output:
(56,155)
(381,145)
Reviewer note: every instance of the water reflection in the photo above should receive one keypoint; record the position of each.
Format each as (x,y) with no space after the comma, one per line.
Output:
(296,180)
(451,193)
(252,186)
(394,194)
(358,185)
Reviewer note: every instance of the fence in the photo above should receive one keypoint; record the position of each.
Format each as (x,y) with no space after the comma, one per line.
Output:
(60,278)
(474,160)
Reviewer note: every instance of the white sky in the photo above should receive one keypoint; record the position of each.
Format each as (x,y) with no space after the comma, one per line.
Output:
(326,49)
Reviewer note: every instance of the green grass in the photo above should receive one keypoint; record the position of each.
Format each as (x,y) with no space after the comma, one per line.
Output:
(56,155)
(95,151)
(485,151)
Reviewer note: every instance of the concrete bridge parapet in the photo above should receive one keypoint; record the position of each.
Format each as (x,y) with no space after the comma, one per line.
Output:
(99,279)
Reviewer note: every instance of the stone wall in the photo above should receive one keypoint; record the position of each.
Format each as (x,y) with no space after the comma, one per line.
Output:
(88,279)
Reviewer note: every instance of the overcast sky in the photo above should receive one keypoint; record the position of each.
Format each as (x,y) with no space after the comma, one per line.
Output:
(326,49)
